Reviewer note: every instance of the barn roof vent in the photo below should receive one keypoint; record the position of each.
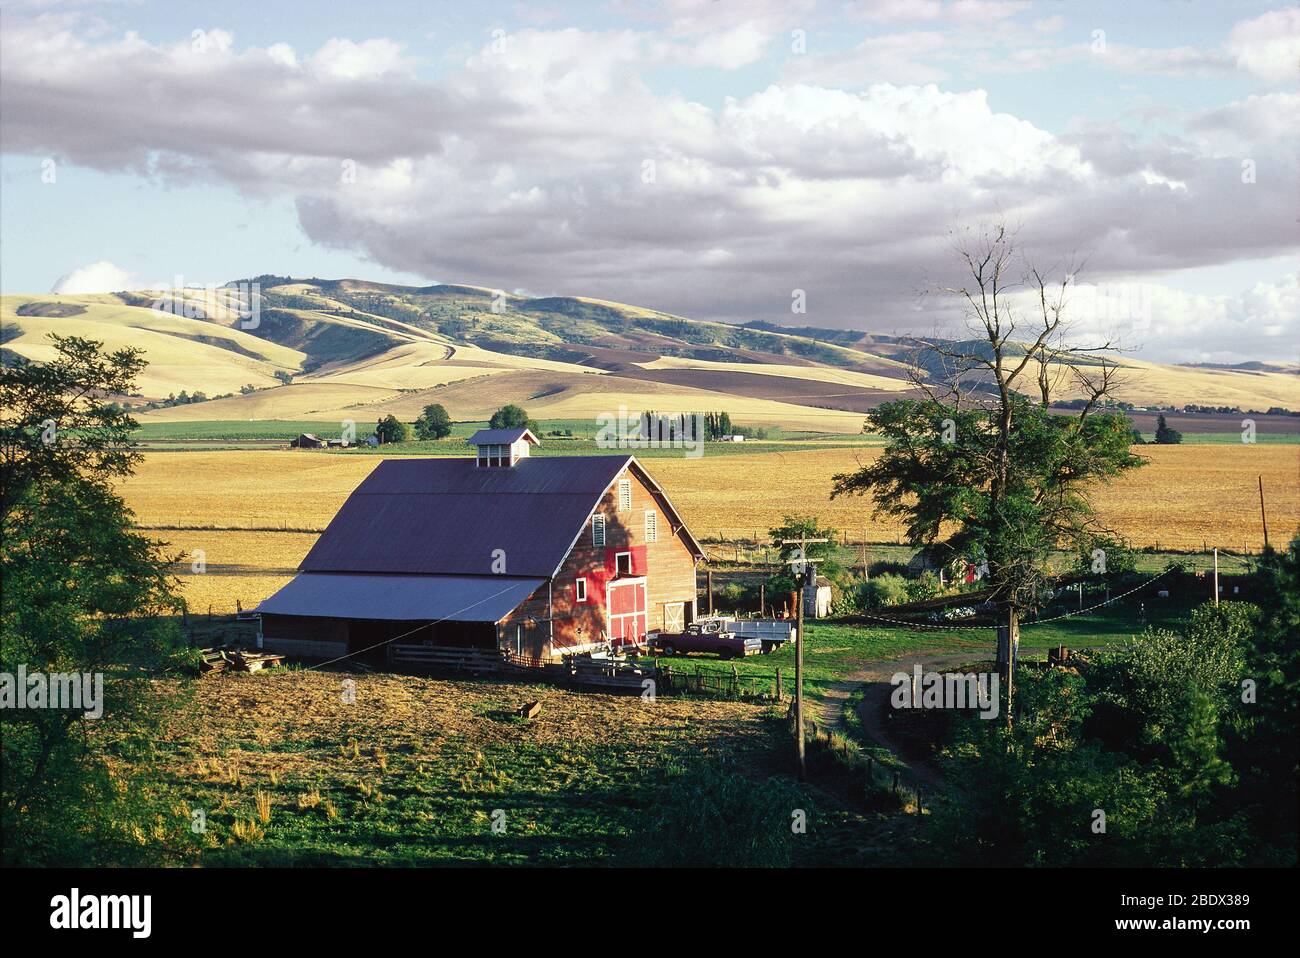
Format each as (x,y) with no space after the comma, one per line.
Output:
(502,447)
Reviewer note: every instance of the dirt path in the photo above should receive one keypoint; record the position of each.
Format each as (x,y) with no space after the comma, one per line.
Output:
(875,676)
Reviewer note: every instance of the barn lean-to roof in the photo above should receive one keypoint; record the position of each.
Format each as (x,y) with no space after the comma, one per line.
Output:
(439,516)
(401,598)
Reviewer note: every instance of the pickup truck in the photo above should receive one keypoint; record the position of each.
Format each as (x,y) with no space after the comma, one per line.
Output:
(726,645)
(773,633)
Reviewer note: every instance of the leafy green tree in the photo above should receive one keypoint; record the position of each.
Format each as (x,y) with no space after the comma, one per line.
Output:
(1166,435)
(806,527)
(509,416)
(83,593)
(391,429)
(53,424)
(434,423)
(1262,741)
(976,469)
(1107,557)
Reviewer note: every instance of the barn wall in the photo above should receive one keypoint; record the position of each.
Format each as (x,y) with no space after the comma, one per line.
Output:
(305,637)
(667,564)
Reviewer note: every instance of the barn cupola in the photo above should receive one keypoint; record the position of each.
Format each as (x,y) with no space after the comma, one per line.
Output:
(502,447)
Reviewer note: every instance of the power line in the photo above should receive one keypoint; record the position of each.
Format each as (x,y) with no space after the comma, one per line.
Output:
(1055,618)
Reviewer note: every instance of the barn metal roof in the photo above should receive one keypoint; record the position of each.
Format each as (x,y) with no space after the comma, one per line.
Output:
(443,516)
(501,437)
(402,598)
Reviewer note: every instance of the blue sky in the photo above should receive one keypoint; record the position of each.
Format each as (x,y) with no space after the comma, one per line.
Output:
(829,147)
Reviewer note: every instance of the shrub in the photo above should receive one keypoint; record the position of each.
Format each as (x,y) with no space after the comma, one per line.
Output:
(884,590)
(885,567)
(925,586)
(709,814)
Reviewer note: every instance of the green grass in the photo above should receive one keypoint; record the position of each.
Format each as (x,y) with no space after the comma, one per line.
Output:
(583,443)
(371,791)
(834,651)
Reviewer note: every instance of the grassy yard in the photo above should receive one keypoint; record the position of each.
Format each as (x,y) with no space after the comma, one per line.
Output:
(417,771)
(835,651)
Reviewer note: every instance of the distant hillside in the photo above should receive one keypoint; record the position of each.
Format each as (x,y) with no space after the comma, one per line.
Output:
(1254,366)
(348,349)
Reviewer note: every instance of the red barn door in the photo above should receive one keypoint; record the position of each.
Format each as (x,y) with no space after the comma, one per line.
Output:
(625,608)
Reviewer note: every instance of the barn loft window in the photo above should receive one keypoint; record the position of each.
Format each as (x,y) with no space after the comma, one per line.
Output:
(623,563)
(494,454)
(598,530)
(580,590)
(651,525)
(624,495)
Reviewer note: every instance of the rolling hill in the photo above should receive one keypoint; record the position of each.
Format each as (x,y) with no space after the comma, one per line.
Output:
(332,350)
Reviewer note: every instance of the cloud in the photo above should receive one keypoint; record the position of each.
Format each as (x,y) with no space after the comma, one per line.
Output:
(548,162)
(98,277)
(1269,45)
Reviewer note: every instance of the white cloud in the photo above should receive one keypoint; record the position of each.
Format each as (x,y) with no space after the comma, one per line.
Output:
(98,277)
(1269,45)
(549,162)
(344,59)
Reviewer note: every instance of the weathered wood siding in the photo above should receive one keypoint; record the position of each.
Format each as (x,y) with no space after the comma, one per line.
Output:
(667,563)
(303,637)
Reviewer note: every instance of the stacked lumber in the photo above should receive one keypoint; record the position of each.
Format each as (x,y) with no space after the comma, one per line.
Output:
(233,658)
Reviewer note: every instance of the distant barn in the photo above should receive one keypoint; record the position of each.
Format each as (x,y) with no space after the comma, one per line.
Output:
(536,557)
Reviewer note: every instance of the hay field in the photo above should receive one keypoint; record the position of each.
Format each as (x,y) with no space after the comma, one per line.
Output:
(1185,496)
(184,353)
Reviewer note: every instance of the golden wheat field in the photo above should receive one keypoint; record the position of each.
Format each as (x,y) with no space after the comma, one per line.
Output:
(220,506)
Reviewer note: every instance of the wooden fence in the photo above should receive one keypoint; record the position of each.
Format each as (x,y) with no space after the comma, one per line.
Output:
(721,684)
(209,631)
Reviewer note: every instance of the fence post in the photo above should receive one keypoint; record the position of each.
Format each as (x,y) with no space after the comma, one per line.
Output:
(778,683)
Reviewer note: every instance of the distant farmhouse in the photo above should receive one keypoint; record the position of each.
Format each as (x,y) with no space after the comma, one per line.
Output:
(536,557)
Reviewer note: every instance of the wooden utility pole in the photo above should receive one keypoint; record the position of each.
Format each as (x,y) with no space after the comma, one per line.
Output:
(1216,575)
(708,578)
(1262,516)
(801,565)
(798,683)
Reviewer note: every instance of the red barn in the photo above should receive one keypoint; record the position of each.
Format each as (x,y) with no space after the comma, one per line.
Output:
(534,556)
